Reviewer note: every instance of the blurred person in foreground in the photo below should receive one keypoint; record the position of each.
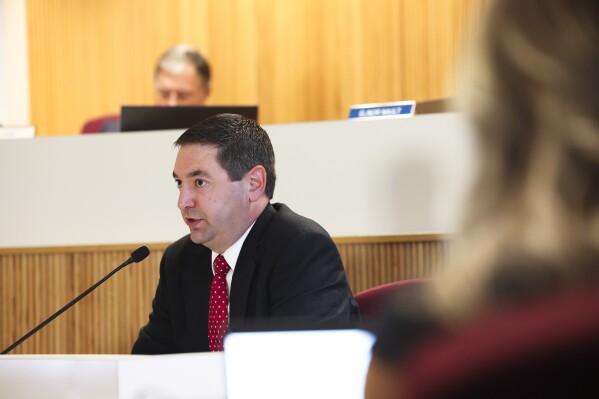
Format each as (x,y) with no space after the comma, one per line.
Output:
(247,264)
(531,226)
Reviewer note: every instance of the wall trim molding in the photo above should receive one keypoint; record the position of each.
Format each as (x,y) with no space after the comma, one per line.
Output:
(416,237)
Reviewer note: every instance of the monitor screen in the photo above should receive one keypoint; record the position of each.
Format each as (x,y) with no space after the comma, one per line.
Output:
(147,118)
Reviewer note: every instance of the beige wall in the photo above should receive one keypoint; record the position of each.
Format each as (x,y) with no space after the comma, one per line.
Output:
(14,76)
(409,176)
(302,60)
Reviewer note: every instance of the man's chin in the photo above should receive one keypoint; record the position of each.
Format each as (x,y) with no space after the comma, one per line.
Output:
(199,238)
(196,239)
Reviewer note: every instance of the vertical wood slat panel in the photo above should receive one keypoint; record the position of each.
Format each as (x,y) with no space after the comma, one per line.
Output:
(36,283)
(34,286)
(300,61)
(371,264)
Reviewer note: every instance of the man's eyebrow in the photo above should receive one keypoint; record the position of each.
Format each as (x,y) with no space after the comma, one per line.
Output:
(193,173)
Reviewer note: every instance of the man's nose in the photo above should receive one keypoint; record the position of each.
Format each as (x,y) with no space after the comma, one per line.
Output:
(173,99)
(185,199)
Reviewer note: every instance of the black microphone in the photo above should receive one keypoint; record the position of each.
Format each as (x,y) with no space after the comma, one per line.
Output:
(136,256)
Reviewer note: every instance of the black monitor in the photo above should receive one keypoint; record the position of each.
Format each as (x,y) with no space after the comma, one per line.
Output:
(136,118)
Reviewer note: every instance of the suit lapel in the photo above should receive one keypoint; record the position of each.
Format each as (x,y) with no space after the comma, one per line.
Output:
(246,264)
(196,280)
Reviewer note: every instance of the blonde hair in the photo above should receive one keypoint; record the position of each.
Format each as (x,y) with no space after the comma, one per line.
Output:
(531,93)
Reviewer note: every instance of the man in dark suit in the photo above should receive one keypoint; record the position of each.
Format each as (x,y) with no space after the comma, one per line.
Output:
(285,271)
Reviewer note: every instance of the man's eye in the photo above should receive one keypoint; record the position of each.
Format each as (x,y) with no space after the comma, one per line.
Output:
(178,183)
(200,183)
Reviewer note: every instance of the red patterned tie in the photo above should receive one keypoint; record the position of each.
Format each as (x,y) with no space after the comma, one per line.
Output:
(218,305)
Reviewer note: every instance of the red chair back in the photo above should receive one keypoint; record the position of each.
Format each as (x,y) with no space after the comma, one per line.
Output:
(548,348)
(374,300)
(95,125)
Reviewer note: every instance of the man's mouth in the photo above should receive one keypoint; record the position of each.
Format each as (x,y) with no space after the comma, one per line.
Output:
(191,222)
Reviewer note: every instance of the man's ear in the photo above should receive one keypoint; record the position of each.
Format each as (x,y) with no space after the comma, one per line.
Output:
(208,90)
(257,182)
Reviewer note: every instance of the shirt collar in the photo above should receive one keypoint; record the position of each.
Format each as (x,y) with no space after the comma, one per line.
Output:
(232,253)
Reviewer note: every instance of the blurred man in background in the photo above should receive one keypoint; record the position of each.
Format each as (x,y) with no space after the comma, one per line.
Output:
(181,77)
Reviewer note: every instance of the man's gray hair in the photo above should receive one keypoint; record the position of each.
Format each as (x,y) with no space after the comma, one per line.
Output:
(175,58)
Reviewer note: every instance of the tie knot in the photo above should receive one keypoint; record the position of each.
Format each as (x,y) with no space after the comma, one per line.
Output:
(221,266)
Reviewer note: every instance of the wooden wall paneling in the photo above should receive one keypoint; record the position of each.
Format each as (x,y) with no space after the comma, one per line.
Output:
(287,47)
(232,49)
(370,262)
(37,282)
(34,286)
(299,60)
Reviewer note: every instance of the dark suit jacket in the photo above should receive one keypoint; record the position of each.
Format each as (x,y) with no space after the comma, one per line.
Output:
(288,271)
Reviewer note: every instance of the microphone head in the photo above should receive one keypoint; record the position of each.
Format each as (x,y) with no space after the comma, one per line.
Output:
(140,254)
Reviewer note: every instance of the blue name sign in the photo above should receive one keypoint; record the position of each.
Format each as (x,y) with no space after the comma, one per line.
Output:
(398,109)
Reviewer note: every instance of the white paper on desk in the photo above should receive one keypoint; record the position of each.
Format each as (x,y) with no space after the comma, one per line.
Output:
(297,364)
(185,376)
(57,377)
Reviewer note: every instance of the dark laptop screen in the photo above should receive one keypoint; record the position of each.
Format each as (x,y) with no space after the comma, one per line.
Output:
(145,118)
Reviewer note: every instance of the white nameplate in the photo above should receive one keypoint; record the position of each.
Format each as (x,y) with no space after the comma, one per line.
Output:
(397,109)
(17,132)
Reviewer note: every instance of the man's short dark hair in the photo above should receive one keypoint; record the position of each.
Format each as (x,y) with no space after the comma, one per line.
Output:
(241,143)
